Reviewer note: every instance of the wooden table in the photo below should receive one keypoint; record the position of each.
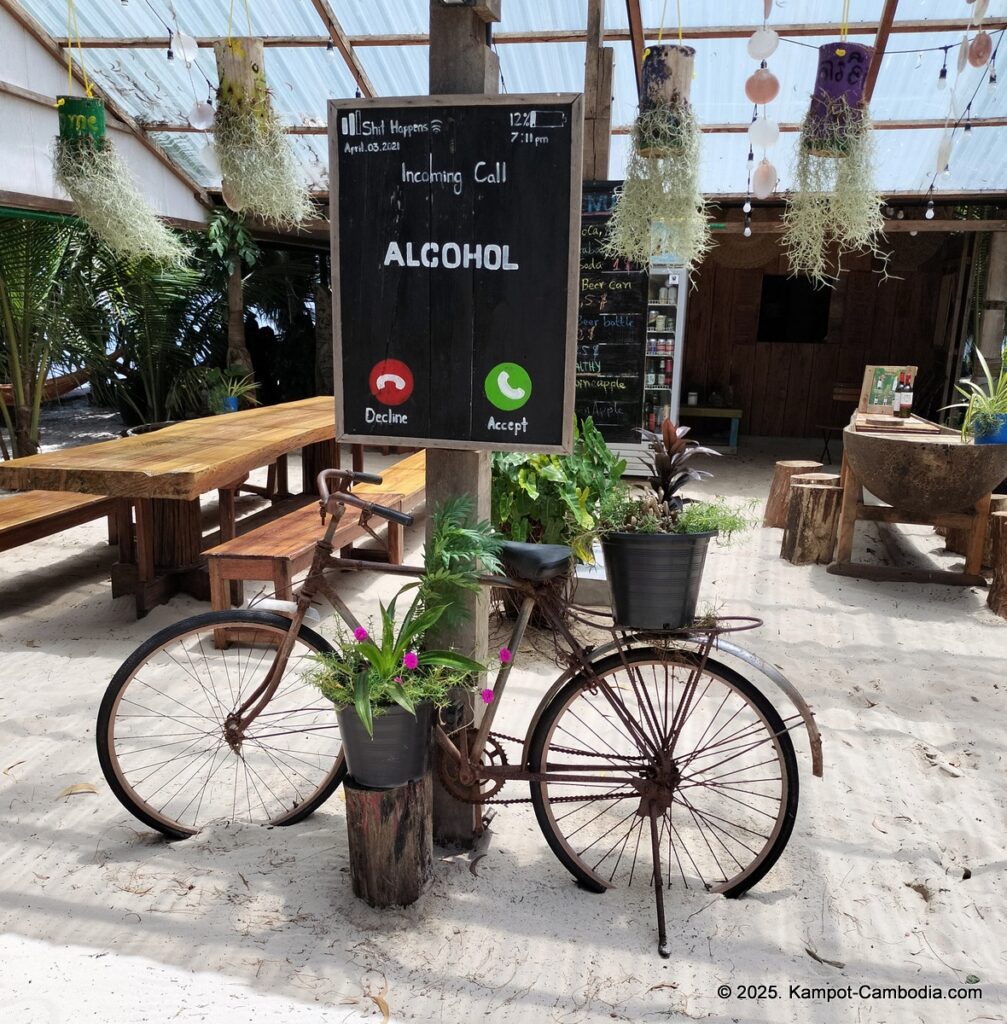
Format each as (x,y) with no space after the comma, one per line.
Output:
(160,476)
(717,413)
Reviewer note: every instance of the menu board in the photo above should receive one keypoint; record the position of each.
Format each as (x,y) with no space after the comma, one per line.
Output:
(454,243)
(612,325)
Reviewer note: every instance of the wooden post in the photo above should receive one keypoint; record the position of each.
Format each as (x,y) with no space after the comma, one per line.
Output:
(994,304)
(779,491)
(391,845)
(812,517)
(461,61)
(977,536)
(997,597)
(956,539)
(597,96)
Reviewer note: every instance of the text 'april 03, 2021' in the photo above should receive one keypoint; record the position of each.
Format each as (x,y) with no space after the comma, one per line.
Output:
(455,269)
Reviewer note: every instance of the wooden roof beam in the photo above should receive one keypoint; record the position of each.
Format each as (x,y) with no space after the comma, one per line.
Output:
(712,129)
(573,35)
(638,39)
(344,46)
(46,41)
(880,42)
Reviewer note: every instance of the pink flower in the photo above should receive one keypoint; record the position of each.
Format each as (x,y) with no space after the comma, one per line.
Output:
(398,679)
(360,634)
(410,660)
(505,655)
(487,696)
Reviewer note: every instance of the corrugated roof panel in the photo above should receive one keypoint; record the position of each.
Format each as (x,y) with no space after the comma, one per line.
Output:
(396,70)
(748,12)
(929,10)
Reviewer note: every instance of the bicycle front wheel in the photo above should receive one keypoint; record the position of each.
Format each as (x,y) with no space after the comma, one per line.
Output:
(652,733)
(169,751)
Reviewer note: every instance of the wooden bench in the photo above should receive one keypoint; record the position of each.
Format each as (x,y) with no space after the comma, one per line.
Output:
(280,549)
(32,515)
(712,412)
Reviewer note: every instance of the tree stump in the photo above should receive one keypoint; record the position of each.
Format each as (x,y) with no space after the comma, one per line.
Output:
(956,540)
(779,492)
(391,841)
(809,536)
(997,597)
(827,479)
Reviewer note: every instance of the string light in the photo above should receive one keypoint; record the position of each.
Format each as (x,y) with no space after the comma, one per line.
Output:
(747,208)
(929,213)
(993,72)
(942,77)
(968,120)
(330,48)
(747,231)
(751,155)
(171,52)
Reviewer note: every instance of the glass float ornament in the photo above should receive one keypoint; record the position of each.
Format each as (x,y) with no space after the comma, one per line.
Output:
(762,86)
(763,132)
(664,96)
(764,180)
(201,115)
(763,43)
(185,47)
(980,50)
(838,97)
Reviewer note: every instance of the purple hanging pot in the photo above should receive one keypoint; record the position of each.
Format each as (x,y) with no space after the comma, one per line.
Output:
(666,82)
(838,97)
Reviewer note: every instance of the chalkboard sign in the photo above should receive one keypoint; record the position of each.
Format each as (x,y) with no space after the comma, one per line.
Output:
(454,250)
(611,327)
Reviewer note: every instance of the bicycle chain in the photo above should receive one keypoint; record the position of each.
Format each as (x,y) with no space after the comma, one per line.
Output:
(553,800)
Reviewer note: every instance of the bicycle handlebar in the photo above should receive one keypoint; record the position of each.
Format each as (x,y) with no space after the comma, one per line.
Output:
(347,475)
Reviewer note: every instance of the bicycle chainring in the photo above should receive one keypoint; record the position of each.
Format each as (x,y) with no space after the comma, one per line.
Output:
(482,790)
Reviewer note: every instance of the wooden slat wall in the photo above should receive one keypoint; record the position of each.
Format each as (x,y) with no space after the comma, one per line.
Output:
(785,389)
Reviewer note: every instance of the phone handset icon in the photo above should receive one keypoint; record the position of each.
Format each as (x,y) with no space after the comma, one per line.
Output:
(397,382)
(508,386)
(506,389)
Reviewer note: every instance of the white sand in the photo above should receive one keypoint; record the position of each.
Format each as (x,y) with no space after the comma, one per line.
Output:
(101,920)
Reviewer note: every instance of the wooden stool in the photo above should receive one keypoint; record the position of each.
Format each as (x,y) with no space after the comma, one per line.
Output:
(809,536)
(779,492)
(997,597)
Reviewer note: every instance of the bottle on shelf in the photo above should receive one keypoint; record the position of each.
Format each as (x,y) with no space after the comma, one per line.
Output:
(897,395)
(906,401)
(668,371)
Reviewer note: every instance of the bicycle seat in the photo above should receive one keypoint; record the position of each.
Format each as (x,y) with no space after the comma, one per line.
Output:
(535,562)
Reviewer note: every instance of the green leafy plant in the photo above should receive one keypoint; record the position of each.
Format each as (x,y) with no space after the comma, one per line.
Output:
(833,201)
(984,404)
(552,499)
(369,672)
(202,390)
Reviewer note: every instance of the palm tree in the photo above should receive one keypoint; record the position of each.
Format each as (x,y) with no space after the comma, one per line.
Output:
(39,320)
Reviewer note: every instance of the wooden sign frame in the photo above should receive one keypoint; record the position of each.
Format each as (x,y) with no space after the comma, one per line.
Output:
(340,108)
(871,373)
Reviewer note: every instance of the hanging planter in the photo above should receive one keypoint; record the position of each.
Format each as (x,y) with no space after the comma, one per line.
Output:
(661,209)
(89,169)
(257,164)
(834,201)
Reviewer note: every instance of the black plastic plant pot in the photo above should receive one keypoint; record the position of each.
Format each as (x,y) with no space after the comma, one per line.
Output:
(398,752)
(654,578)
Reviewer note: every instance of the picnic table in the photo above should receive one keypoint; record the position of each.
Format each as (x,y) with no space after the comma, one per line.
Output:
(158,477)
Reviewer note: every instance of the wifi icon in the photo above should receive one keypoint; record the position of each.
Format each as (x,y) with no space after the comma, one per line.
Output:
(436,125)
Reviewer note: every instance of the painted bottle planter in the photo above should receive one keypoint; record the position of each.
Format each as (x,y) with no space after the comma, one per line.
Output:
(81,117)
(667,81)
(838,97)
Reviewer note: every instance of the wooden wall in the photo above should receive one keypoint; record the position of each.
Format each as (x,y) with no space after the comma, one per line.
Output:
(785,389)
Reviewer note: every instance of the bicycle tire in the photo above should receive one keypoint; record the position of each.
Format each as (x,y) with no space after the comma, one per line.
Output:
(166,684)
(554,746)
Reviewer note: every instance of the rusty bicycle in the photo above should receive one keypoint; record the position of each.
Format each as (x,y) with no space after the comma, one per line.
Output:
(648,759)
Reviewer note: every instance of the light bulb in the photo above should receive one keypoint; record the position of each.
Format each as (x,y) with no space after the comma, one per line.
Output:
(900,214)
(913,234)
(330,48)
(944,154)
(747,231)
(930,210)
(763,132)
(942,79)
(185,46)
(993,76)
(201,115)
(751,154)
(763,43)
(747,208)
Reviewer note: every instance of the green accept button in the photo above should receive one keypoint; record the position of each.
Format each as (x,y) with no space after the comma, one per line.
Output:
(508,386)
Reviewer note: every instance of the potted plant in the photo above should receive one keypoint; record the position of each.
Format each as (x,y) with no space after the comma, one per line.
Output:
(985,407)
(385,683)
(232,387)
(655,543)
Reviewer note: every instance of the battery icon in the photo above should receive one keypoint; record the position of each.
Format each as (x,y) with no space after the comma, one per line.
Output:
(547,119)
(350,123)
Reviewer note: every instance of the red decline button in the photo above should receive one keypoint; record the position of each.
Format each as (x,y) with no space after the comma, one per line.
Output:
(391,382)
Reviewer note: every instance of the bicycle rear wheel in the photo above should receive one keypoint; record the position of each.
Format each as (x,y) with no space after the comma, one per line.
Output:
(704,747)
(163,737)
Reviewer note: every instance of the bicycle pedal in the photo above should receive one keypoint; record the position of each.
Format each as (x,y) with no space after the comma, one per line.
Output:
(270,604)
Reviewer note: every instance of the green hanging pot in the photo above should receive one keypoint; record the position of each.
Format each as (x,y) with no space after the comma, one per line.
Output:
(81,117)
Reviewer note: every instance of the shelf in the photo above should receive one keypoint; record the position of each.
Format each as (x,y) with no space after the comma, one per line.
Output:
(667,388)
(655,331)
(663,305)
